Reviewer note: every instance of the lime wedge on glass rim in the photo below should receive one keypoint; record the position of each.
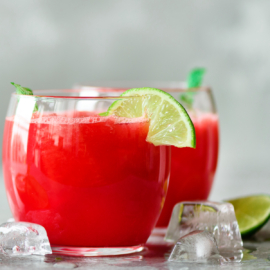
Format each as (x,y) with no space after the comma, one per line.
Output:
(170,124)
(251,212)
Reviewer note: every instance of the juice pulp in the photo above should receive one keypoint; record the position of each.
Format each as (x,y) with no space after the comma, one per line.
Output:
(193,170)
(90,181)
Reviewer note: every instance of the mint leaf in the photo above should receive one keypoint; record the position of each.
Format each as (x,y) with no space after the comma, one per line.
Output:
(195,77)
(24,91)
(194,80)
(187,97)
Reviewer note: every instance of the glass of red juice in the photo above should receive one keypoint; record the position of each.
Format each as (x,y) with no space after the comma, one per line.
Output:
(192,170)
(93,182)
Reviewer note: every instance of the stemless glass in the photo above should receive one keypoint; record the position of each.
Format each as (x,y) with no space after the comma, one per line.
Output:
(93,182)
(192,170)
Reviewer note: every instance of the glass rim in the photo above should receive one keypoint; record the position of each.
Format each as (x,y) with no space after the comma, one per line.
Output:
(38,94)
(167,89)
(126,84)
(43,97)
(163,86)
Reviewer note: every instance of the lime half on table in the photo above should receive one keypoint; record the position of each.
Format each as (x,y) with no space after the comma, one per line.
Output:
(251,212)
(169,122)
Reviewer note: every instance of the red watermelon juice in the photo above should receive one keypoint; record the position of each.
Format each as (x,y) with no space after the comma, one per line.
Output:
(90,181)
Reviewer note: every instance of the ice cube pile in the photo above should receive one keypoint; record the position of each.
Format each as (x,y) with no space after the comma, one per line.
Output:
(22,238)
(216,219)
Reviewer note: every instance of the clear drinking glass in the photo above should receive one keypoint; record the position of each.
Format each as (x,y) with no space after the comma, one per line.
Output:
(93,182)
(192,170)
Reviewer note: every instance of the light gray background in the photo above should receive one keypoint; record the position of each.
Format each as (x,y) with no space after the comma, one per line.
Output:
(53,44)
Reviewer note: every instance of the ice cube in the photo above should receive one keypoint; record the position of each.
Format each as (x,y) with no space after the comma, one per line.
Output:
(11,220)
(197,246)
(214,217)
(22,238)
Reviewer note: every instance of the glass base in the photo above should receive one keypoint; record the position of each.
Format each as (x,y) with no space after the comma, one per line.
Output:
(157,236)
(92,252)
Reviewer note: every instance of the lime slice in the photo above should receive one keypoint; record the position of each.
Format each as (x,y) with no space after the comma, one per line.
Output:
(169,122)
(251,213)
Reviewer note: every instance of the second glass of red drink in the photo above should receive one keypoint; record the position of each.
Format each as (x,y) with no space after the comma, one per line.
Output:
(192,170)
